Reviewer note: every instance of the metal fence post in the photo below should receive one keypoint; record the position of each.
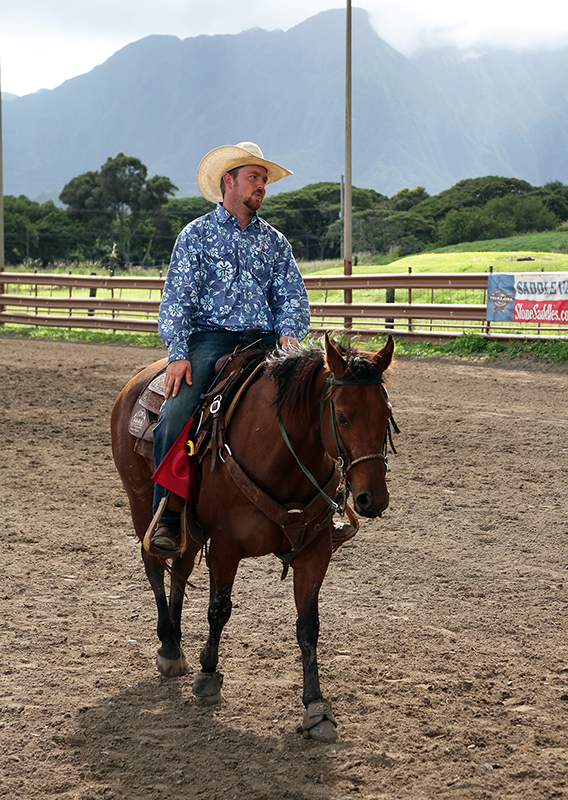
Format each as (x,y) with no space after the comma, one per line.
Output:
(409,299)
(488,323)
(389,321)
(92,293)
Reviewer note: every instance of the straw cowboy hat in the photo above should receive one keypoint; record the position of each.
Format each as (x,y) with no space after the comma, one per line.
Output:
(223,159)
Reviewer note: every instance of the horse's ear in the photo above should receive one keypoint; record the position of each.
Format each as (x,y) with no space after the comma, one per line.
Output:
(384,357)
(334,361)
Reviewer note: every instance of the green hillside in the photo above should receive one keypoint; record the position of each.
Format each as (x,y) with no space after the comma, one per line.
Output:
(474,260)
(544,242)
(480,261)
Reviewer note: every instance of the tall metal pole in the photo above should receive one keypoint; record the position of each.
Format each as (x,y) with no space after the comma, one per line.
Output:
(341,212)
(347,219)
(1,185)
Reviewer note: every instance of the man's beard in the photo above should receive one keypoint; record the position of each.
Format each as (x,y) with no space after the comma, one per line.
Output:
(254,202)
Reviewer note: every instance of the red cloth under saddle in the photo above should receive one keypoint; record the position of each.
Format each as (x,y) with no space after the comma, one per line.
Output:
(177,471)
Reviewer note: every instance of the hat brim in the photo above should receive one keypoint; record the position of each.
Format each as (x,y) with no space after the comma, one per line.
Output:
(223,159)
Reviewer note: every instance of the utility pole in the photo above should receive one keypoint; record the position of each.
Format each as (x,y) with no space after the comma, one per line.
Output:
(1,199)
(341,213)
(347,203)
(1,185)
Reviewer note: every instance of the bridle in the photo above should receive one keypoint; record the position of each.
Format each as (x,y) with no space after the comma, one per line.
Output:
(295,519)
(343,460)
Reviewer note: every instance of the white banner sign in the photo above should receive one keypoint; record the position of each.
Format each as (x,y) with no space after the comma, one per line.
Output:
(528,297)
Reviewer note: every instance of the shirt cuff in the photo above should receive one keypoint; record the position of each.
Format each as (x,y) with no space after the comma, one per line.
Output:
(178,351)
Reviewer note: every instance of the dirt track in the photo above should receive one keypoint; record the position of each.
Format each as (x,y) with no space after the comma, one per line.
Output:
(443,643)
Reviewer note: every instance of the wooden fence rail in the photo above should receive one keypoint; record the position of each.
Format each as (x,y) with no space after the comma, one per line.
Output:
(131,304)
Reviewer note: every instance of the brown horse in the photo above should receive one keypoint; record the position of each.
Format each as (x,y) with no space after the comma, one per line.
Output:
(334,409)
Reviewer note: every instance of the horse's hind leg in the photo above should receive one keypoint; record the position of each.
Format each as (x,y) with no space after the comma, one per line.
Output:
(170,660)
(181,570)
(207,684)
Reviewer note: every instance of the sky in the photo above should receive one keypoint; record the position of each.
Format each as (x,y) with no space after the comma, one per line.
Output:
(45,42)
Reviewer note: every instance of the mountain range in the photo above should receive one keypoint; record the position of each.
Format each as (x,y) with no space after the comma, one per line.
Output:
(431,119)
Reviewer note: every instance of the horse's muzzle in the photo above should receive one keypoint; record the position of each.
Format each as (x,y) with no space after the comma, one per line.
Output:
(367,504)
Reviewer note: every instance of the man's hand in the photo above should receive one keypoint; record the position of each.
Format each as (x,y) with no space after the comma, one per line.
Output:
(176,371)
(287,341)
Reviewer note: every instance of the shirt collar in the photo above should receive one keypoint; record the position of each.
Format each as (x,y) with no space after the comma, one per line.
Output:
(223,216)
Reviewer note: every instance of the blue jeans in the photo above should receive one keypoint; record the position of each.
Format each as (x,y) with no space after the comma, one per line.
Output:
(205,348)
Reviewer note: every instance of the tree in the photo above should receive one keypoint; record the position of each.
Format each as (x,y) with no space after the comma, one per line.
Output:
(554,195)
(408,198)
(500,217)
(42,231)
(472,225)
(380,230)
(60,237)
(20,238)
(121,204)
(308,217)
(471,193)
(526,213)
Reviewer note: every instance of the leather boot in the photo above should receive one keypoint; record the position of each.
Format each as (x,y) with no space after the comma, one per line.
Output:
(166,540)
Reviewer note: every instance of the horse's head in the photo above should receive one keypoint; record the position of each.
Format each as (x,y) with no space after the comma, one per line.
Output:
(355,413)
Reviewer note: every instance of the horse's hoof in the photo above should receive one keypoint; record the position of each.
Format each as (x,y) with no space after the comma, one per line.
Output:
(207,688)
(324,732)
(172,668)
(319,723)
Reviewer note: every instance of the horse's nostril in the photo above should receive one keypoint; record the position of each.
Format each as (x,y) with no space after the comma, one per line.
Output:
(368,505)
(363,501)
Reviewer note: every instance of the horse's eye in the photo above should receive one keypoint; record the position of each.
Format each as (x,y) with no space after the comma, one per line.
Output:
(341,419)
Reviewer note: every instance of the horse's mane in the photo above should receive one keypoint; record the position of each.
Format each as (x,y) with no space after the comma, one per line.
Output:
(295,372)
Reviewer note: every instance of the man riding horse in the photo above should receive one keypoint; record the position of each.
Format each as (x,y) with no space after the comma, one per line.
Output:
(311,428)
(230,271)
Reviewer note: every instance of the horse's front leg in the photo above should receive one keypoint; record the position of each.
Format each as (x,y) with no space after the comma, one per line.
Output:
(309,571)
(222,570)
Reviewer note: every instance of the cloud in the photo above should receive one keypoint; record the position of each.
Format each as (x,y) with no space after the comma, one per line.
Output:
(413,24)
(44,43)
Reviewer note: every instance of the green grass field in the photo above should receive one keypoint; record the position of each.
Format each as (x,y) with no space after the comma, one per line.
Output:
(458,261)
(472,261)
(502,255)
(547,241)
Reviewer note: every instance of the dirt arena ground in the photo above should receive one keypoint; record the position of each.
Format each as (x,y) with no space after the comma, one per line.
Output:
(443,625)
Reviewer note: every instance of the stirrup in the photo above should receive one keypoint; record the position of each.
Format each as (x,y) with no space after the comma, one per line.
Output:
(147,541)
(165,534)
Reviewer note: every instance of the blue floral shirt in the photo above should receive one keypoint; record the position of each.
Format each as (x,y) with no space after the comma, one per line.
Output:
(223,277)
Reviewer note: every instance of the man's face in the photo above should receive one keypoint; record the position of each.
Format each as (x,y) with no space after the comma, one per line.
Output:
(249,187)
